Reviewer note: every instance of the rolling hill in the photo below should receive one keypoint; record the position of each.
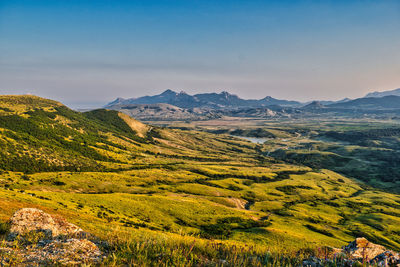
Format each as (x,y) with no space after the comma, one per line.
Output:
(164,112)
(371,103)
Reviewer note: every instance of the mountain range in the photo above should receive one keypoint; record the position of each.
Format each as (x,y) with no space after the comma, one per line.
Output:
(225,100)
(206,100)
(170,106)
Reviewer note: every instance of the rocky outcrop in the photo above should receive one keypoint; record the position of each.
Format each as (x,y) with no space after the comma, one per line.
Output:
(361,248)
(360,251)
(44,239)
(367,251)
(30,219)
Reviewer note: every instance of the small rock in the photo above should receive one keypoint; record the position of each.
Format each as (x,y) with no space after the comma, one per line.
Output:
(312,262)
(387,258)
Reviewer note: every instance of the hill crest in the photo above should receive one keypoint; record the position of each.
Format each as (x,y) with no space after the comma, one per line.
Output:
(23,103)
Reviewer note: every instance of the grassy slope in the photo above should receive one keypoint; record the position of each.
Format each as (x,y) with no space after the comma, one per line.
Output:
(186,185)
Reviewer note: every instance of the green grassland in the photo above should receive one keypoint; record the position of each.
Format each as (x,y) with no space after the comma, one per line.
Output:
(365,149)
(198,197)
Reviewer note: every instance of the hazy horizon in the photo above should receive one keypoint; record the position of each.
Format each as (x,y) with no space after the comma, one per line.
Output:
(86,54)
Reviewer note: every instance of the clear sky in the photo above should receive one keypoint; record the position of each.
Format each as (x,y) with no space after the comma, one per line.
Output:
(87,53)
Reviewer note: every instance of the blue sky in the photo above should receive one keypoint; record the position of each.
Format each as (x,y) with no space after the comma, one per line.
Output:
(86,53)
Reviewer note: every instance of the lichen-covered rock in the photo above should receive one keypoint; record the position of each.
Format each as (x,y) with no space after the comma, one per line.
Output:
(361,248)
(69,252)
(356,253)
(30,219)
(55,252)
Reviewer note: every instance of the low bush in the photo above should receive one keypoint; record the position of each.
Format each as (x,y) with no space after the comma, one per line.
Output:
(4,228)
(224,227)
(318,230)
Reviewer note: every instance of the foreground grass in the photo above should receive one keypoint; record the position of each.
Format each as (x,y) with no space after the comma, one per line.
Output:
(146,248)
(149,248)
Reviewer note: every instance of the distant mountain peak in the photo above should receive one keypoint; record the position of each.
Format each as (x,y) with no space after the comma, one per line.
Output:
(314,105)
(117,101)
(227,95)
(267,98)
(169,92)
